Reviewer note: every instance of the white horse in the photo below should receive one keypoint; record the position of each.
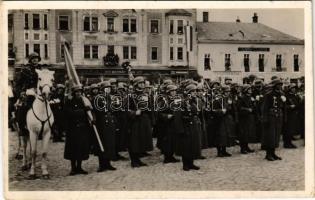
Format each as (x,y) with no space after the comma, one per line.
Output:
(40,119)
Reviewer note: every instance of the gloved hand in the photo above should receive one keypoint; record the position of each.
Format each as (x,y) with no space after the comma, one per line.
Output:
(30,92)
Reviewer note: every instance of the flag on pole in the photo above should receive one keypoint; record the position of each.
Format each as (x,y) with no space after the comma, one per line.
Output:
(74,80)
(189,38)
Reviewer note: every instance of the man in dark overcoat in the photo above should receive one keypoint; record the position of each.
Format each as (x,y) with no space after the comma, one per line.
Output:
(272,118)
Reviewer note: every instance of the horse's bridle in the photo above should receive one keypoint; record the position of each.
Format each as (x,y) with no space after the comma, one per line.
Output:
(43,99)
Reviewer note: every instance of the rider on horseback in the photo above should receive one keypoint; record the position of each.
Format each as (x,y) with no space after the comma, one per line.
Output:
(27,79)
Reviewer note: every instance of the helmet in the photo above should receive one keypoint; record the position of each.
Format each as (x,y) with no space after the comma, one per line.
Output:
(77,88)
(34,55)
(246,87)
(170,88)
(190,88)
(105,84)
(137,80)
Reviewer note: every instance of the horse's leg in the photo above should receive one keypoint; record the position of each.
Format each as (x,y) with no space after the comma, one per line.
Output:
(33,145)
(46,138)
(24,147)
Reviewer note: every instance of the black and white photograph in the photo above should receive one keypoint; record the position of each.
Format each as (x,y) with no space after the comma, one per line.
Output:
(160,96)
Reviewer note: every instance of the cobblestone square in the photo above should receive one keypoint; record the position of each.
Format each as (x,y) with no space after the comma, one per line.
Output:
(240,172)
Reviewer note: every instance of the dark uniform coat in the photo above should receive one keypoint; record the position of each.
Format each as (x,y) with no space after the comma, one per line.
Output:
(292,112)
(106,127)
(77,146)
(140,133)
(189,141)
(247,120)
(272,117)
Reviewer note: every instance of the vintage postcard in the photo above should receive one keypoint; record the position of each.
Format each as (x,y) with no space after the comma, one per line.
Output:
(127,100)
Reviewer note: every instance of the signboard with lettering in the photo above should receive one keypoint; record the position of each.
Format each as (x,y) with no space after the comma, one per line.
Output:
(253,49)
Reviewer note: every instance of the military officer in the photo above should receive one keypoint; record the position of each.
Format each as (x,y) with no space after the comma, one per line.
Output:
(272,117)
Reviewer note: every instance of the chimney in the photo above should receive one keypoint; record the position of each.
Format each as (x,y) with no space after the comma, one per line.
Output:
(238,19)
(255,18)
(205,16)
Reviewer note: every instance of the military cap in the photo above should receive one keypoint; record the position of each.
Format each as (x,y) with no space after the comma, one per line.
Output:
(276,81)
(137,80)
(113,81)
(258,81)
(274,77)
(228,78)
(105,84)
(190,88)
(226,88)
(246,87)
(34,55)
(77,87)
(167,81)
(292,85)
(170,88)
(60,86)
(199,86)
(184,83)
(213,83)
(121,85)
(94,86)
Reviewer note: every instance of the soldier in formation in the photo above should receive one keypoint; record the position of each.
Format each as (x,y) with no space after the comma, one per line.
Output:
(185,117)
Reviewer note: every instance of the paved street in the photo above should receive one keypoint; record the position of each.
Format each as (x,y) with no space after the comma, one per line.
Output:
(240,172)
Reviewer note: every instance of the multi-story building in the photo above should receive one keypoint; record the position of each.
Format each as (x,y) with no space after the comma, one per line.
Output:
(236,50)
(153,41)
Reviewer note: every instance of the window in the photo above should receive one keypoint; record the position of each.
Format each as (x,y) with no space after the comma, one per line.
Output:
(90,23)
(10,21)
(46,51)
(111,49)
(46,37)
(179,53)
(180,26)
(36,22)
(95,51)
(227,62)
(171,40)
(27,50)
(86,24)
(26,36)
(64,23)
(90,50)
(180,40)
(26,21)
(134,53)
(110,24)
(154,53)
(207,62)
(133,25)
(125,52)
(125,25)
(62,51)
(205,16)
(296,65)
(261,62)
(87,53)
(246,62)
(154,28)
(171,26)
(37,48)
(11,52)
(171,53)
(45,22)
(36,36)
(278,62)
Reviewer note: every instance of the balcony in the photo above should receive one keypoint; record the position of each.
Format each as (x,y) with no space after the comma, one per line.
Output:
(110,32)
(282,69)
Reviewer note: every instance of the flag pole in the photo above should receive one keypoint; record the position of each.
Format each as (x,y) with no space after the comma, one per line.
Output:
(72,74)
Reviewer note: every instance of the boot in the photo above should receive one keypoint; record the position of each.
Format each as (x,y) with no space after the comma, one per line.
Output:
(220,153)
(134,163)
(249,150)
(108,166)
(269,156)
(225,153)
(73,168)
(274,155)
(101,166)
(185,164)
(192,166)
(243,149)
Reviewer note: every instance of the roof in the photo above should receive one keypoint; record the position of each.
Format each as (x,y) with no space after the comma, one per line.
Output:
(178,12)
(239,32)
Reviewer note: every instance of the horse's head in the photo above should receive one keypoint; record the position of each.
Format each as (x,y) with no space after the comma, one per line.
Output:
(45,82)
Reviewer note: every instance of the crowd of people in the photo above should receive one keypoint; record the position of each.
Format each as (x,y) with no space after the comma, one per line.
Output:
(185,117)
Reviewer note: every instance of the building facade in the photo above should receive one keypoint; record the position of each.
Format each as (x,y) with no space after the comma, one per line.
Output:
(236,50)
(156,42)
(153,41)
